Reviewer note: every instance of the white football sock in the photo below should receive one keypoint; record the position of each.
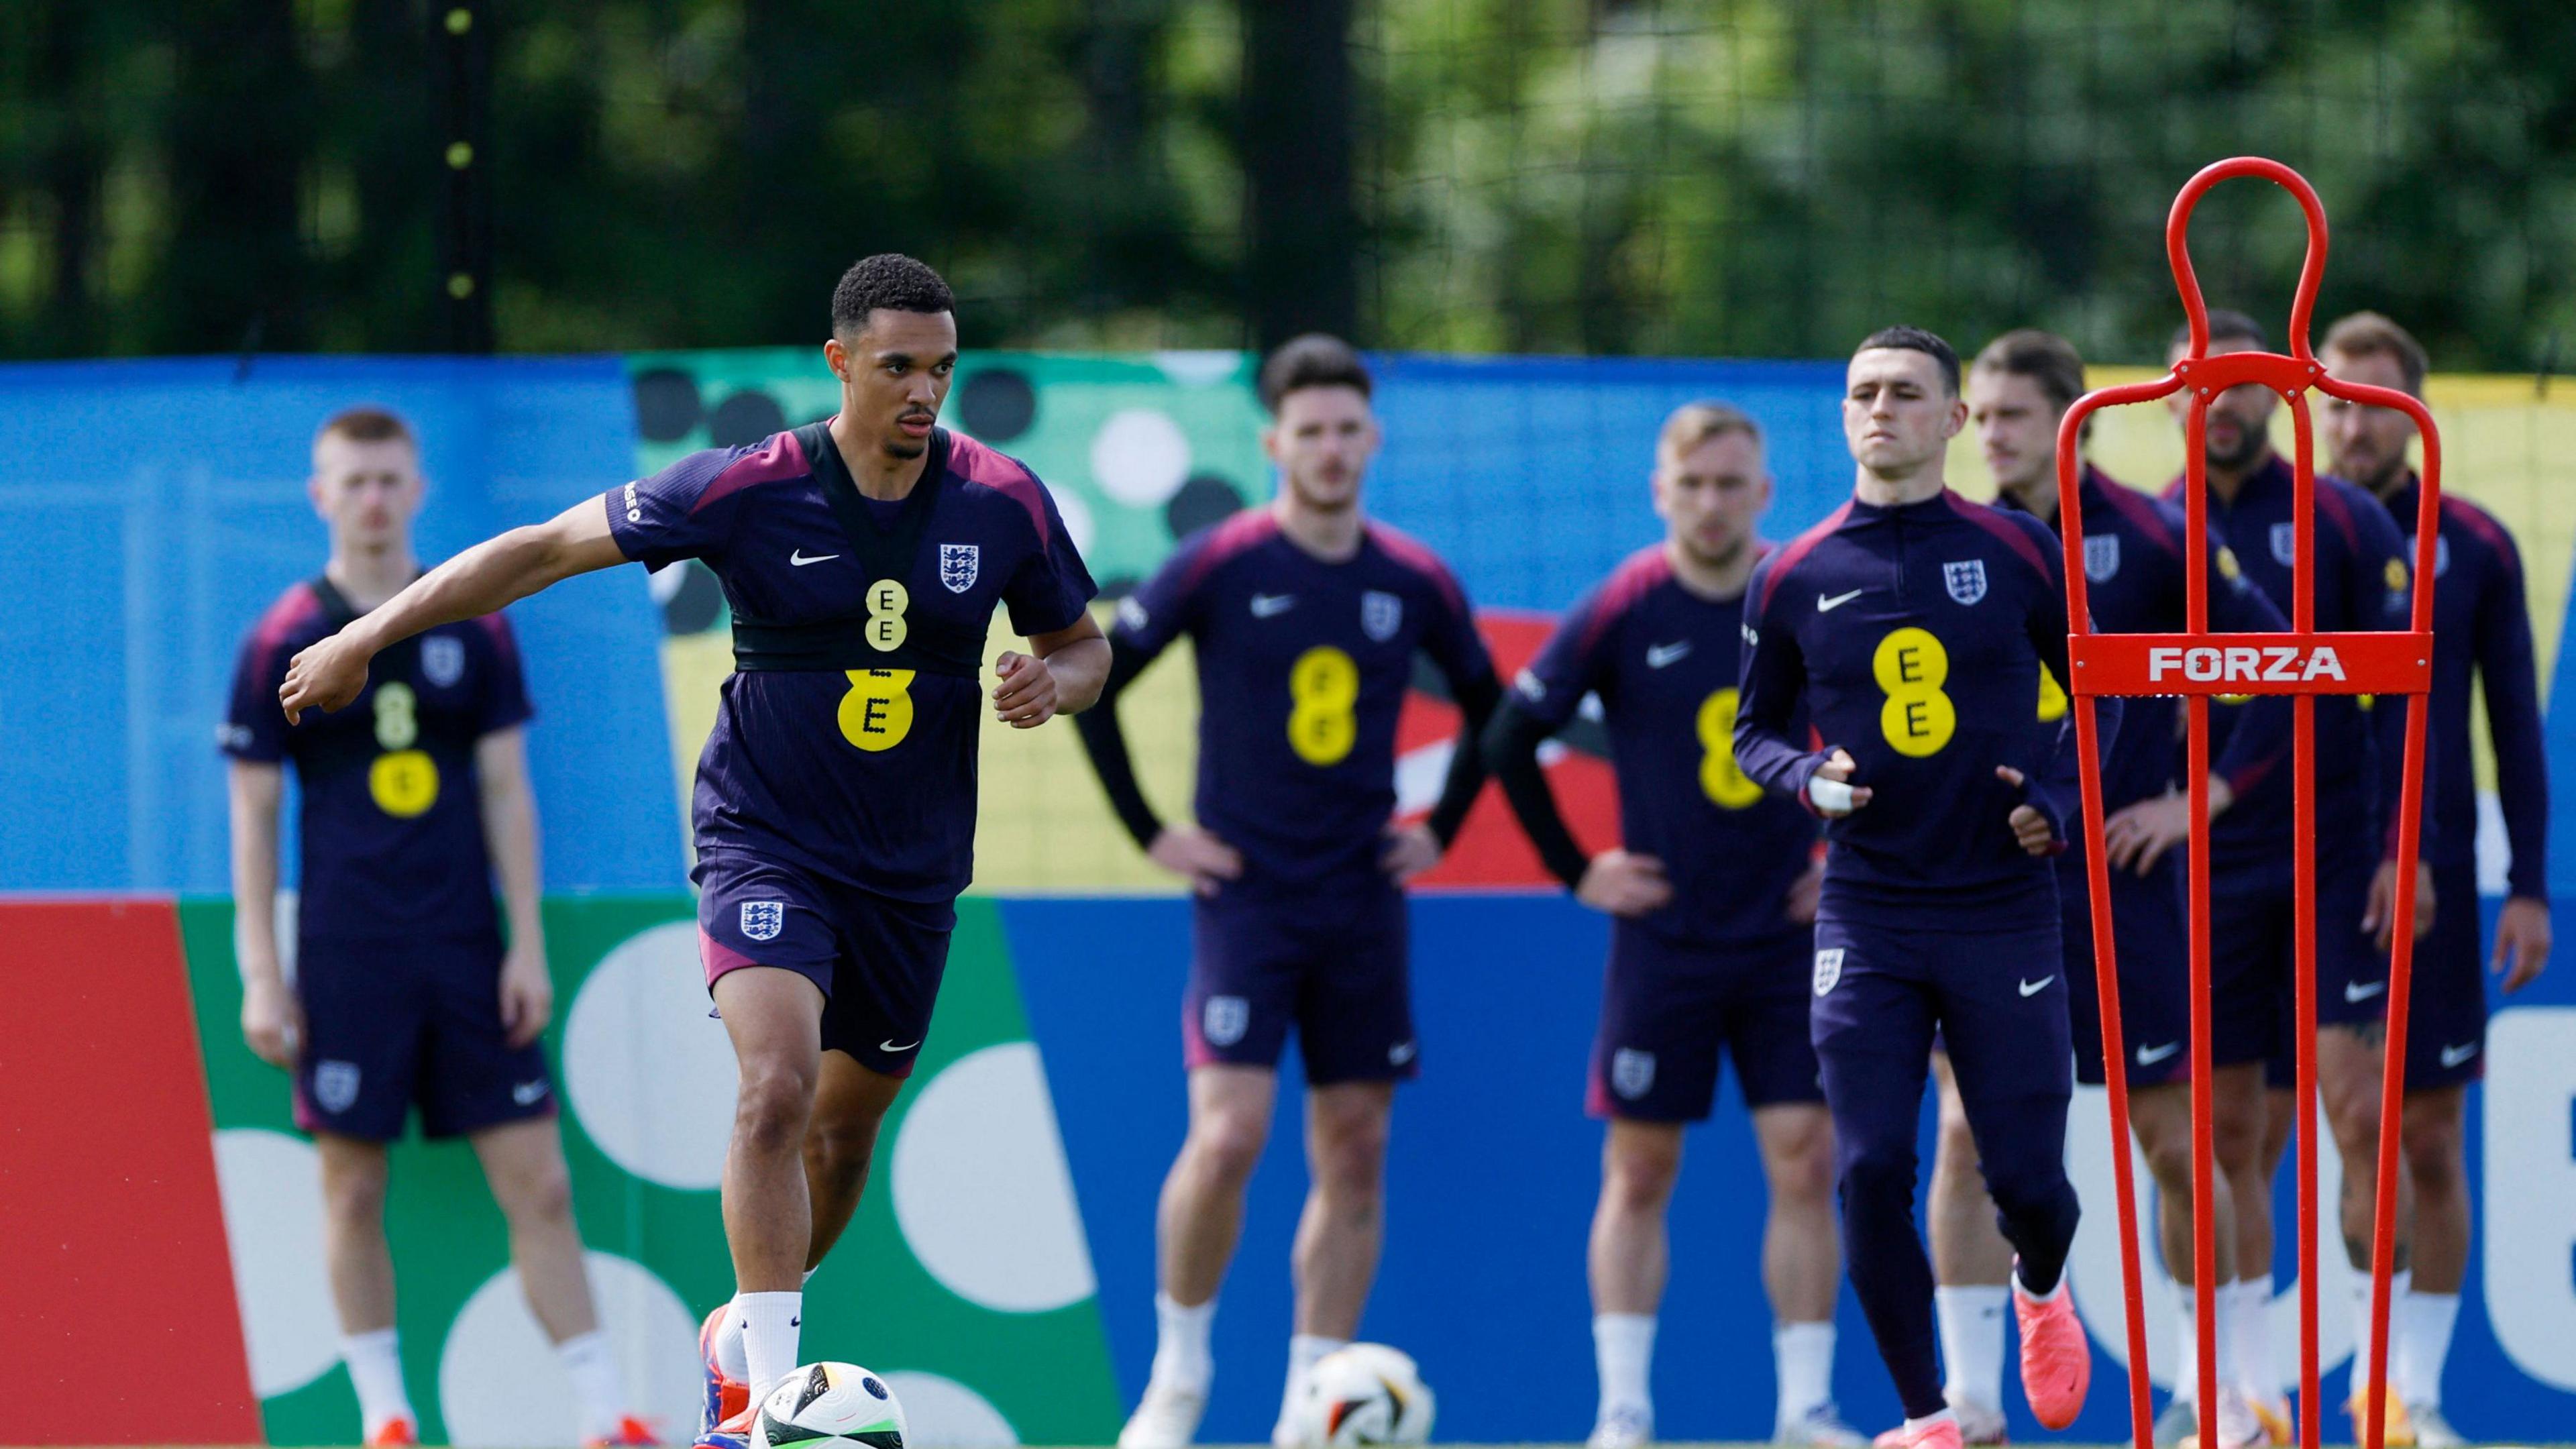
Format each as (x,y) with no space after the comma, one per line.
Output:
(1804,1354)
(729,1353)
(1623,1347)
(1181,1356)
(596,1391)
(375,1371)
(1971,1319)
(770,1322)
(2421,1326)
(1303,1350)
(2248,1305)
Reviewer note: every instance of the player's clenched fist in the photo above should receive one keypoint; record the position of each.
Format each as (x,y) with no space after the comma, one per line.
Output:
(1830,789)
(1025,698)
(1624,883)
(2030,824)
(271,1021)
(324,676)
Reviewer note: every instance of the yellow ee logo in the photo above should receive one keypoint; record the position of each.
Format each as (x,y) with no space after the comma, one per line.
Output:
(877,712)
(2396,576)
(1911,666)
(2228,568)
(2052,697)
(887,599)
(403,780)
(1720,777)
(1323,695)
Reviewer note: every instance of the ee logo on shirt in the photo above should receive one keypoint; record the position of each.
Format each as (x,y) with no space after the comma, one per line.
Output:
(877,712)
(1911,666)
(403,780)
(1323,693)
(1720,777)
(887,599)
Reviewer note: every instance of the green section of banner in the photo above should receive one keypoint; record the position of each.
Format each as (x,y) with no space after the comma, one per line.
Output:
(628,1027)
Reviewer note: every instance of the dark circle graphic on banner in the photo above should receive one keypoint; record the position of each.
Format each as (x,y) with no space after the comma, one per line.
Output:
(666,404)
(1203,500)
(745,417)
(997,404)
(698,603)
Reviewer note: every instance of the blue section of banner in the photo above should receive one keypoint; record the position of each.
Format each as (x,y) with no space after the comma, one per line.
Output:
(149,511)
(1530,474)
(1493,1170)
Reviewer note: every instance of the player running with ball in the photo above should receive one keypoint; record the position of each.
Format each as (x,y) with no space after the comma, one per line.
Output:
(835,803)
(1307,617)
(1910,628)
(1713,896)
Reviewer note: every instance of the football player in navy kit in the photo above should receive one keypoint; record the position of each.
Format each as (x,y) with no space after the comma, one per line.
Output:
(1306,617)
(835,805)
(1712,894)
(2135,562)
(404,990)
(1911,627)
(2361,577)
(2481,641)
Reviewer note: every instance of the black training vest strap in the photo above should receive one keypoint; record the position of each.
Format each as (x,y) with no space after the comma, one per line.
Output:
(882,551)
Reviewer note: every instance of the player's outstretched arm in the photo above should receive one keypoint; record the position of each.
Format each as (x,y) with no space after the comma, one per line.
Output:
(482,580)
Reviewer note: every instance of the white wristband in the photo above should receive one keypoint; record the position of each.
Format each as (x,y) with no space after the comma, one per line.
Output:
(1833,797)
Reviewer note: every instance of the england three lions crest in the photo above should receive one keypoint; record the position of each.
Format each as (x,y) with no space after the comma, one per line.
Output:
(763,920)
(1632,1072)
(442,660)
(1381,614)
(958,565)
(1966,579)
(2101,556)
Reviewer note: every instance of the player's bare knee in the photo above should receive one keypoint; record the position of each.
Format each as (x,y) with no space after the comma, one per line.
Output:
(1349,1155)
(538,1196)
(2169,1162)
(839,1150)
(1227,1144)
(2435,1150)
(771,1106)
(1639,1168)
(355,1196)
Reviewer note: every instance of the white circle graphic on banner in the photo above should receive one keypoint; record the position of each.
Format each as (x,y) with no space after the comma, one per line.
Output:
(271,1185)
(1140,457)
(941,1413)
(981,1188)
(500,1385)
(649,1074)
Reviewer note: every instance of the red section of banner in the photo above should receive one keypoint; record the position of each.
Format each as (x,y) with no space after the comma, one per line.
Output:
(2252,663)
(1490,849)
(121,1326)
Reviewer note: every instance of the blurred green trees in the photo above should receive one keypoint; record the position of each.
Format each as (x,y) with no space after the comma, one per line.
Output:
(1763,177)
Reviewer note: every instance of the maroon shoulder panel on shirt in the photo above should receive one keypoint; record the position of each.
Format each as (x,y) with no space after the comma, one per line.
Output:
(1799,547)
(1003,474)
(1994,522)
(1416,555)
(1633,579)
(1233,538)
(2133,506)
(780,458)
(294,609)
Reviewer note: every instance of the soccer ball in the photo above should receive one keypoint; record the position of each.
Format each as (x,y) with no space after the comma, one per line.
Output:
(1365,1393)
(825,1405)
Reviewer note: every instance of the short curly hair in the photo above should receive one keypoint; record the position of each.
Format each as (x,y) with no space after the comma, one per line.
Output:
(888,281)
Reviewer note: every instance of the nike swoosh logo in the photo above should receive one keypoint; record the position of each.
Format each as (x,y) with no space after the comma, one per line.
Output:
(1826,606)
(2149,1056)
(2354,991)
(887,1046)
(1659,655)
(2033,988)
(2452,1056)
(799,560)
(1265,605)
